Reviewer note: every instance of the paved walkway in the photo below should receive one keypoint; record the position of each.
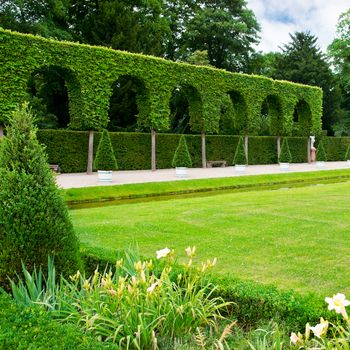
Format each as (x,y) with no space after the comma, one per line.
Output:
(141,176)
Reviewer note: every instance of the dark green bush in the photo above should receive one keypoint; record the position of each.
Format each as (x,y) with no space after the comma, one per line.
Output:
(240,156)
(321,153)
(298,148)
(182,157)
(285,156)
(335,147)
(105,158)
(34,219)
(31,328)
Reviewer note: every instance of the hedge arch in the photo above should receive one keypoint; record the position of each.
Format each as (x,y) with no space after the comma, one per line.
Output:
(62,77)
(240,115)
(302,117)
(95,69)
(271,109)
(128,93)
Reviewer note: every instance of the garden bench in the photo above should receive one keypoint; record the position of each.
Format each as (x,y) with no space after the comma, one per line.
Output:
(221,163)
(55,168)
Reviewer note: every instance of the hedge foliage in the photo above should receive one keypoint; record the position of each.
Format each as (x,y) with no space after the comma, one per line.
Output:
(90,73)
(31,328)
(240,155)
(105,158)
(69,149)
(182,157)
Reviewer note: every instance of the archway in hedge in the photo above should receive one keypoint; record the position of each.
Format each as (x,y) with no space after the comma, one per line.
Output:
(238,112)
(271,119)
(302,118)
(128,99)
(185,109)
(53,94)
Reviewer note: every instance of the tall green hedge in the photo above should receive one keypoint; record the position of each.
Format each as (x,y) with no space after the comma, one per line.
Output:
(336,147)
(90,73)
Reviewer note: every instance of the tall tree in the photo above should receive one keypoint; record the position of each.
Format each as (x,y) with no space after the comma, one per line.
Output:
(339,50)
(48,18)
(226,29)
(135,26)
(303,62)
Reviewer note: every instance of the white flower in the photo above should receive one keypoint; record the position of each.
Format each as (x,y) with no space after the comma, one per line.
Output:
(320,329)
(294,338)
(338,304)
(151,288)
(163,253)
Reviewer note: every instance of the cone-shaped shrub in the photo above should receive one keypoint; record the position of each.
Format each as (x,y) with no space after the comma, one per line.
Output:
(182,157)
(240,157)
(285,155)
(34,219)
(105,158)
(347,153)
(321,154)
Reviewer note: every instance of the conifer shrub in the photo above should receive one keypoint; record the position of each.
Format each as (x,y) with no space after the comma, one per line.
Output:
(240,156)
(285,155)
(347,153)
(34,219)
(321,154)
(105,158)
(182,157)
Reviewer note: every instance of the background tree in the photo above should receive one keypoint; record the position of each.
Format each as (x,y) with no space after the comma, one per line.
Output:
(339,50)
(303,62)
(226,29)
(48,18)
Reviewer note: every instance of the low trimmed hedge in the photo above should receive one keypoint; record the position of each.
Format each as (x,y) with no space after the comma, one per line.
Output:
(253,303)
(31,328)
(69,149)
(133,150)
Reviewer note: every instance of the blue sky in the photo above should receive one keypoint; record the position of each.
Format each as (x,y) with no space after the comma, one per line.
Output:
(278,18)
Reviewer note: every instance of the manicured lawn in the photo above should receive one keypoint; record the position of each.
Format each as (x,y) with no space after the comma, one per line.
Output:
(295,238)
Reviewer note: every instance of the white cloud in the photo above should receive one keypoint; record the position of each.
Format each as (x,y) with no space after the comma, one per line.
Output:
(279,18)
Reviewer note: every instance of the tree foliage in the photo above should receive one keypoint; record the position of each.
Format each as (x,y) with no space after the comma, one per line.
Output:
(182,157)
(303,62)
(285,155)
(34,220)
(240,157)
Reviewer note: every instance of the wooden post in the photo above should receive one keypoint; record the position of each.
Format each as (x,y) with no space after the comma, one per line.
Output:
(278,147)
(90,153)
(204,152)
(153,134)
(1,131)
(246,146)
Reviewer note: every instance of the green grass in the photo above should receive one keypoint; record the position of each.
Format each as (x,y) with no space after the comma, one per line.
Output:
(121,192)
(295,238)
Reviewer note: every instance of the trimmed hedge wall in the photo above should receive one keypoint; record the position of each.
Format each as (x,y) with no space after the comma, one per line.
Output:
(133,150)
(336,147)
(91,71)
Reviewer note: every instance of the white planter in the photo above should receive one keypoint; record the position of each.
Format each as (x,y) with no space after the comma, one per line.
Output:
(181,171)
(348,161)
(284,166)
(105,175)
(320,164)
(240,168)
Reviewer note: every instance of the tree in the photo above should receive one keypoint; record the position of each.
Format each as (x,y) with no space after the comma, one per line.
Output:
(240,157)
(339,50)
(135,26)
(34,219)
(226,29)
(285,156)
(48,18)
(303,62)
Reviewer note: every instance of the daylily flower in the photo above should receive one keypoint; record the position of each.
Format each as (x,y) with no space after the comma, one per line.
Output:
(294,339)
(163,253)
(151,288)
(190,251)
(320,329)
(338,304)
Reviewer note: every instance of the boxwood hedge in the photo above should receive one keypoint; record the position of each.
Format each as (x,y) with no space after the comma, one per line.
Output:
(90,73)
